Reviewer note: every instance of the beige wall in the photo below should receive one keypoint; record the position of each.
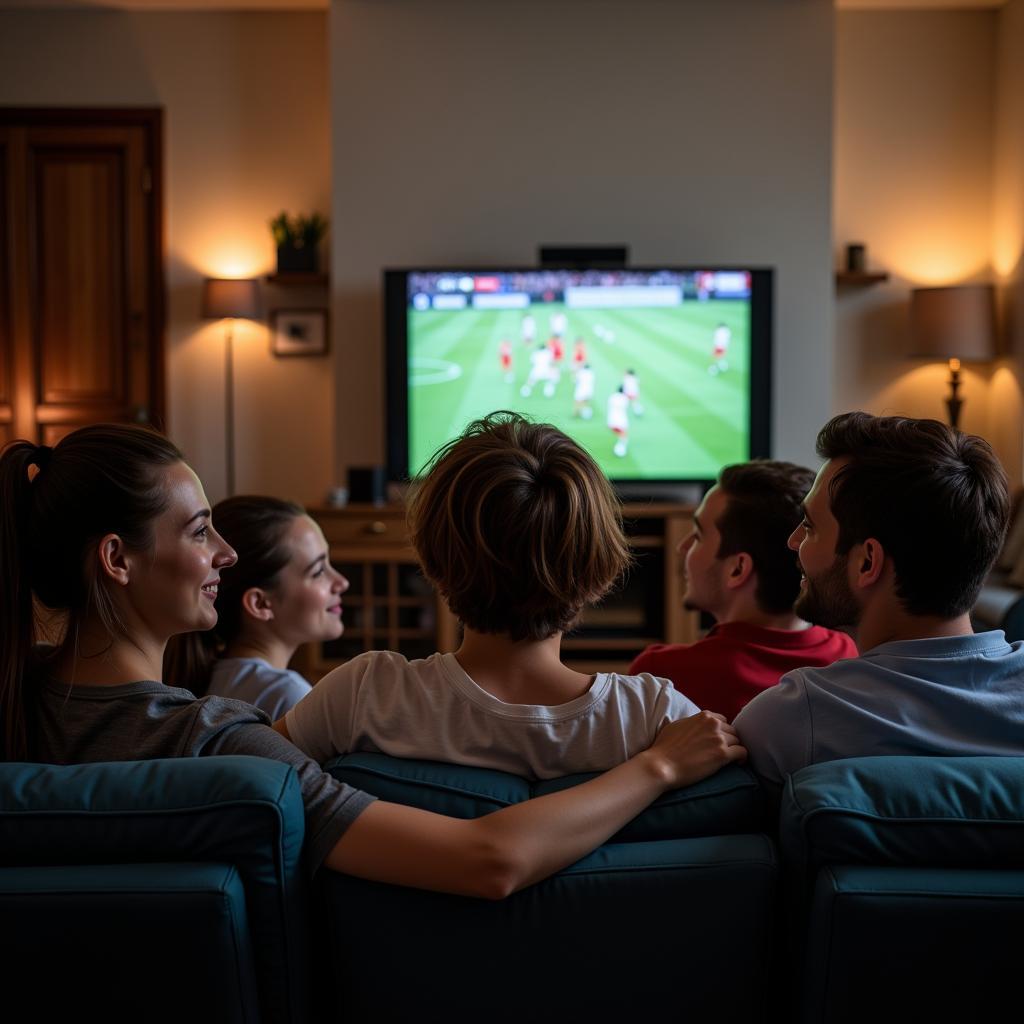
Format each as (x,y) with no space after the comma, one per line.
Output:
(929,166)
(1008,233)
(467,131)
(915,143)
(246,134)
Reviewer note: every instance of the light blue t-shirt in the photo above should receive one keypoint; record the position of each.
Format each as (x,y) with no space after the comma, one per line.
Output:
(272,690)
(950,696)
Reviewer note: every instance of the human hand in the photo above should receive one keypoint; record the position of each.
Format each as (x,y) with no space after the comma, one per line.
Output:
(693,748)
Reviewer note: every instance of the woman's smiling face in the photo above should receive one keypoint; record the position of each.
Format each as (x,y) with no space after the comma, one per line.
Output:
(173,586)
(306,596)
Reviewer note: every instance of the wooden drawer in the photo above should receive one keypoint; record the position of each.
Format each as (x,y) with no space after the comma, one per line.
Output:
(363,527)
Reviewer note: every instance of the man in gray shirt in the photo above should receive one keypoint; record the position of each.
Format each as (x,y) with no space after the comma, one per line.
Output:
(903,522)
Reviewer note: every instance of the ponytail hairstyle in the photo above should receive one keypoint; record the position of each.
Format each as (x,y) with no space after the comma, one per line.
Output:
(55,504)
(255,527)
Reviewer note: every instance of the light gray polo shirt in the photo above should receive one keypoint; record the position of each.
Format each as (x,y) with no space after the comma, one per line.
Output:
(948,696)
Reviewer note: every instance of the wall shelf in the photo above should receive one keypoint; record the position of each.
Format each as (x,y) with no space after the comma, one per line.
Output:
(859,278)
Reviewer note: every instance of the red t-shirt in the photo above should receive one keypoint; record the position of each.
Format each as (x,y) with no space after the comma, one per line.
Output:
(737,660)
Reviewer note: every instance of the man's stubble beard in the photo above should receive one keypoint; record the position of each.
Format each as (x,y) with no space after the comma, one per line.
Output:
(827,600)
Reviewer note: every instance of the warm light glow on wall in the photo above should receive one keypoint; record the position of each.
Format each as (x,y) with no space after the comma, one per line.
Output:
(925,261)
(917,392)
(1004,381)
(248,334)
(922,390)
(231,247)
(231,260)
(1006,251)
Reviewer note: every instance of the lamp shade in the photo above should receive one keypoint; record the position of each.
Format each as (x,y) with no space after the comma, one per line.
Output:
(954,323)
(230,297)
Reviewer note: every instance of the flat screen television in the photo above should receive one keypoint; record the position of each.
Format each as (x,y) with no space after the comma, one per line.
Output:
(662,373)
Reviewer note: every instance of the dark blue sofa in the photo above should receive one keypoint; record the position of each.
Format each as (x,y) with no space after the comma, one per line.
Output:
(887,888)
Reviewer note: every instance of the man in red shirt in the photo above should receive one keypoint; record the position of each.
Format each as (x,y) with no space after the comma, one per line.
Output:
(740,570)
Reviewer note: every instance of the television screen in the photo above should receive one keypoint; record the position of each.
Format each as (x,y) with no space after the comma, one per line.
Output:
(661,374)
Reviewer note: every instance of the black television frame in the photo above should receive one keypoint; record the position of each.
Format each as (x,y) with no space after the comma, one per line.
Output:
(396,370)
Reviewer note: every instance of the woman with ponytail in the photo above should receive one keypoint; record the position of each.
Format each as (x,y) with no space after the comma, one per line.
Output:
(111,530)
(282,592)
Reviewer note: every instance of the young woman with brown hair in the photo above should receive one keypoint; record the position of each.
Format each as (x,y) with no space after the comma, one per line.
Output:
(281,593)
(111,529)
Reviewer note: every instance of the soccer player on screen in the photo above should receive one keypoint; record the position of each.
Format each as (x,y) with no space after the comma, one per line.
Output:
(583,393)
(720,346)
(631,389)
(528,330)
(559,324)
(540,370)
(579,355)
(505,359)
(557,346)
(618,420)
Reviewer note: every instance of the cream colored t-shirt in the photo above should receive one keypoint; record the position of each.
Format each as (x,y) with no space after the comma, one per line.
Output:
(431,709)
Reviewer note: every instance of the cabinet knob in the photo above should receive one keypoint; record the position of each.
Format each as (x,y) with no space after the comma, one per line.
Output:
(378,527)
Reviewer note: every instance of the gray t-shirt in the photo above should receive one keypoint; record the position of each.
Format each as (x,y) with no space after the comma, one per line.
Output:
(146,720)
(272,690)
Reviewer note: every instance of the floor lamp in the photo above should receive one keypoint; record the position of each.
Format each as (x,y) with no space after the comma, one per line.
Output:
(230,300)
(956,323)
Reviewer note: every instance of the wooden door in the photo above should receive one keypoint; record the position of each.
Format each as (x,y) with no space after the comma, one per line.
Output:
(81,293)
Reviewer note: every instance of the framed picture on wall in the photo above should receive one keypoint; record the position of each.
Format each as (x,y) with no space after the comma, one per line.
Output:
(298,332)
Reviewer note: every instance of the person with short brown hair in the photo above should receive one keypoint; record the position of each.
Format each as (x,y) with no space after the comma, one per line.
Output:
(519,530)
(903,522)
(740,571)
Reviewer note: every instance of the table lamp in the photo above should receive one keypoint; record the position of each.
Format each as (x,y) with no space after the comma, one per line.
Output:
(955,324)
(230,299)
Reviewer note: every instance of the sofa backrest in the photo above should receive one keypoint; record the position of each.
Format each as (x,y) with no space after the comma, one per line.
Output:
(939,811)
(729,802)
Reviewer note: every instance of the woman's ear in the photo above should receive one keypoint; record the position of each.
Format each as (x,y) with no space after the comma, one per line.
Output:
(256,604)
(114,560)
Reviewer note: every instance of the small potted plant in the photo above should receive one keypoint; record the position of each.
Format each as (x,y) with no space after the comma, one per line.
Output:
(298,240)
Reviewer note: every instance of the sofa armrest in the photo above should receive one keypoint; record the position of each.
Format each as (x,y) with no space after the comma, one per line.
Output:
(233,810)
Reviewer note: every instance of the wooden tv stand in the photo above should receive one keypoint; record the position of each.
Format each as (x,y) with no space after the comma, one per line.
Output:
(391,606)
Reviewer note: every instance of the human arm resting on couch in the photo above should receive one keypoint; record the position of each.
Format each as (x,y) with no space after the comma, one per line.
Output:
(507,850)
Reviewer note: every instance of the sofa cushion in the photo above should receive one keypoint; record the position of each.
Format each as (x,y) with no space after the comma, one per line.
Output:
(730,801)
(941,811)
